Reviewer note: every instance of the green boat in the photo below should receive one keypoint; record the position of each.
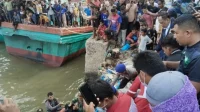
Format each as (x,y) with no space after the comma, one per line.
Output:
(51,46)
(1,37)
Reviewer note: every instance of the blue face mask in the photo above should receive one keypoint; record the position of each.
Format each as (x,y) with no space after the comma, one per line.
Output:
(99,109)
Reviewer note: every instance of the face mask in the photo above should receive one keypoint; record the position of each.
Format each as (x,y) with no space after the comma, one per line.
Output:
(143,83)
(99,109)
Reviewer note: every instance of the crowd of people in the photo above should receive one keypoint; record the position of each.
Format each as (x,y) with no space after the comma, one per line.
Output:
(165,72)
(43,12)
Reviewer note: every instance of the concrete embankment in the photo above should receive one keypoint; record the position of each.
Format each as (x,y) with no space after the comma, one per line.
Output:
(95,54)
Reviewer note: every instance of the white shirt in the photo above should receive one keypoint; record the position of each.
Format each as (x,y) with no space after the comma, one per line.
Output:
(50,12)
(71,8)
(168,28)
(143,42)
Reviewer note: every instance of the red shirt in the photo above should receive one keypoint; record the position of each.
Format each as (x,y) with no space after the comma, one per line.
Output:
(124,104)
(97,3)
(140,101)
(149,20)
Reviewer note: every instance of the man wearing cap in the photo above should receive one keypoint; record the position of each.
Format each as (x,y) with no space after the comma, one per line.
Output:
(126,72)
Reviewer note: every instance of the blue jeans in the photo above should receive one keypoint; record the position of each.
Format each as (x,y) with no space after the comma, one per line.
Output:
(10,16)
(51,18)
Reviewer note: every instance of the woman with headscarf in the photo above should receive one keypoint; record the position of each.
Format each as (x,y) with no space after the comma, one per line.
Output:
(172,91)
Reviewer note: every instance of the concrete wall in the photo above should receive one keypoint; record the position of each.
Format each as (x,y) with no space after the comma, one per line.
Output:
(95,54)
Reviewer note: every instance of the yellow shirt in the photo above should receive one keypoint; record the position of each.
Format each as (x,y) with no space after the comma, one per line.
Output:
(76,11)
(44,17)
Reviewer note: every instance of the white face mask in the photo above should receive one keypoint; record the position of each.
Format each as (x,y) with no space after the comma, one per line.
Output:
(143,83)
(99,109)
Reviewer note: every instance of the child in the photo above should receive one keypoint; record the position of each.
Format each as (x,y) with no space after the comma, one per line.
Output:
(16,20)
(76,14)
(115,22)
(100,31)
(143,40)
(44,19)
(95,20)
(104,16)
(132,37)
(22,14)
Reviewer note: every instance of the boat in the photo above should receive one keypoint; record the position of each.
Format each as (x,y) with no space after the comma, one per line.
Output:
(1,37)
(48,45)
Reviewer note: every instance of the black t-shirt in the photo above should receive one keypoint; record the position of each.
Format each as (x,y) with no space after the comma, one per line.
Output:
(175,56)
(190,62)
(152,9)
(119,5)
(124,23)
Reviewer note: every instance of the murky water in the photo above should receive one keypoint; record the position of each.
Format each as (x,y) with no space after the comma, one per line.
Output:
(28,82)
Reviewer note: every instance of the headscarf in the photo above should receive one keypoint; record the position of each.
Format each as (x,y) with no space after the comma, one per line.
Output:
(178,97)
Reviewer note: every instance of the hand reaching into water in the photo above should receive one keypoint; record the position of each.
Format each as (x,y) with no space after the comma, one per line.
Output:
(9,106)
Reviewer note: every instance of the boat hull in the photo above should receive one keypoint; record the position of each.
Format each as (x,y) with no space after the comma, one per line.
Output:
(52,54)
(51,46)
(46,59)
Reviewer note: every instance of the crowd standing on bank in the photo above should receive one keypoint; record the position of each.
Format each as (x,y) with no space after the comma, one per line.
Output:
(50,13)
(165,72)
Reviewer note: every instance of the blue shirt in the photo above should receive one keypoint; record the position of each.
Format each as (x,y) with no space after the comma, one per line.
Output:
(115,21)
(57,7)
(104,17)
(190,62)
(88,11)
(64,10)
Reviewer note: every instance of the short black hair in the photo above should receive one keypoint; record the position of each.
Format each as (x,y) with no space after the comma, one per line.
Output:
(134,28)
(144,30)
(149,62)
(170,41)
(91,77)
(113,10)
(164,14)
(49,94)
(187,21)
(162,1)
(102,89)
(123,7)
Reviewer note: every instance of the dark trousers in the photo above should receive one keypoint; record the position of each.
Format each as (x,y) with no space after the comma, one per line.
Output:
(123,83)
(69,19)
(10,16)
(81,21)
(58,20)
(37,18)
(130,27)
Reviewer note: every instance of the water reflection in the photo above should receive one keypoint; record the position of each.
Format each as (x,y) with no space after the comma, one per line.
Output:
(28,82)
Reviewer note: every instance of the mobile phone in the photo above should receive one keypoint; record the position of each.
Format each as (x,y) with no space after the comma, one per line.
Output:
(88,95)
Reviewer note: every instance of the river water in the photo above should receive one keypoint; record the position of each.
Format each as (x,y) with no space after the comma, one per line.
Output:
(28,82)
